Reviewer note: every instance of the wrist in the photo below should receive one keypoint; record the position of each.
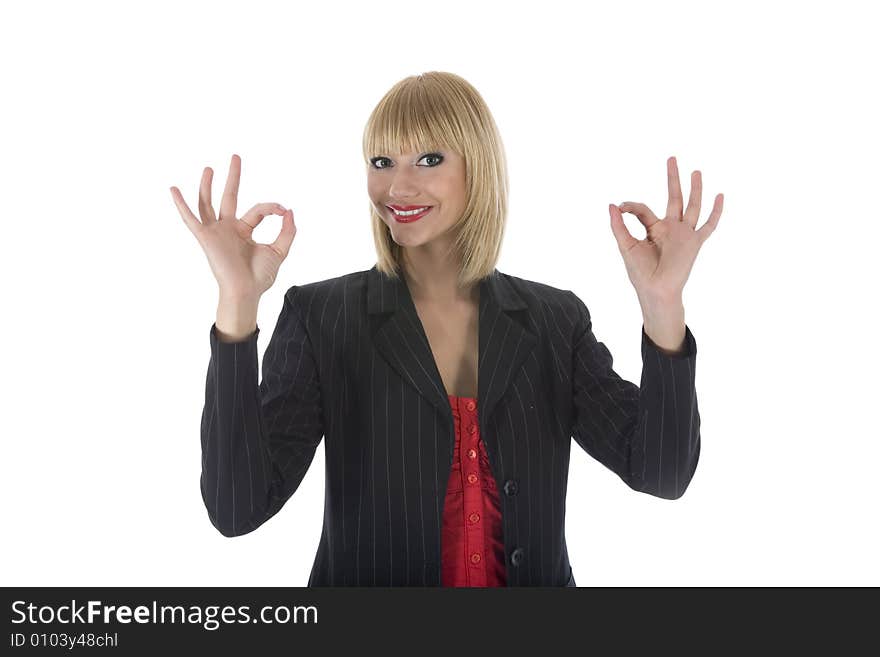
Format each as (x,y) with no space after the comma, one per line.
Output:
(664,323)
(236,317)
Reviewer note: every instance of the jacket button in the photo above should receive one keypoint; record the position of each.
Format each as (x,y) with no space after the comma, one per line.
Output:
(510,487)
(471,405)
(472,453)
(472,478)
(517,556)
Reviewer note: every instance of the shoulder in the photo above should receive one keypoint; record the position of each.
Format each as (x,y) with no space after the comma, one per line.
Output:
(535,290)
(561,303)
(336,290)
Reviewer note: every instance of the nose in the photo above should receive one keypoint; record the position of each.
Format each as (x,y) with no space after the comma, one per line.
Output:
(402,186)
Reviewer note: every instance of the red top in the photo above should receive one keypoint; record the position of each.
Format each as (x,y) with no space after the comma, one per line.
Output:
(473,539)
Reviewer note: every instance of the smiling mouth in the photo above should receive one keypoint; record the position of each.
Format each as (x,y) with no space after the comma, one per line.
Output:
(409,216)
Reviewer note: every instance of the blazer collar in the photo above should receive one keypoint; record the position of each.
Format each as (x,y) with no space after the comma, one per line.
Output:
(385,294)
(506,338)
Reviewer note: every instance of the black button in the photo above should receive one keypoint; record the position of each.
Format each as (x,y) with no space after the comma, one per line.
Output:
(517,556)
(510,487)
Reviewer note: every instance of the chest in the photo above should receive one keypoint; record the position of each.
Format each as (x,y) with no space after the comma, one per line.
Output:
(453,333)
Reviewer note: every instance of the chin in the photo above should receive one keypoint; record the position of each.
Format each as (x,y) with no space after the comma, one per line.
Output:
(408,241)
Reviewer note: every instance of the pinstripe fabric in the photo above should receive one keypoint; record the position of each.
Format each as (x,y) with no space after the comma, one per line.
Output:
(349,362)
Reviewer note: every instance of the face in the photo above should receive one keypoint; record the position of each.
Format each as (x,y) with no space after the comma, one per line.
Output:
(433,178)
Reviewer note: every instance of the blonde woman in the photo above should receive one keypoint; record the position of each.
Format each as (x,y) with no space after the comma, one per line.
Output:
(447,392)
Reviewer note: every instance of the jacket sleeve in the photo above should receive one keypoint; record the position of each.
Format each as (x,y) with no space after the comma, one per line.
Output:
(650,434)
(258,441)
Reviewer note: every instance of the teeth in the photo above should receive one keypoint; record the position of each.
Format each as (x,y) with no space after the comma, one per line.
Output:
(409,213)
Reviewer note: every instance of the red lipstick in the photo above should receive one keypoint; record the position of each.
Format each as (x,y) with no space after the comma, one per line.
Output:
(411,218)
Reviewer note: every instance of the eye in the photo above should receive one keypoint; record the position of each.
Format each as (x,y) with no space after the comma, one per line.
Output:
(374,161)
(435,155)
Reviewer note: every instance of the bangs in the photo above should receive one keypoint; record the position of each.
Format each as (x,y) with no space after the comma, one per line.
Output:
(410,120)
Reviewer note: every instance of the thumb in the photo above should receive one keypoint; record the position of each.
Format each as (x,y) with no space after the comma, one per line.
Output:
(624,239)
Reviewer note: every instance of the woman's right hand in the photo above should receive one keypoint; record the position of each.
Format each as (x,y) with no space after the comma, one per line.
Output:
(243,268)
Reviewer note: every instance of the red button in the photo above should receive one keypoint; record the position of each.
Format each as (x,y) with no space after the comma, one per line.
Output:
(474,517)
(471,405)
(475,557)
(472,453)
(472,478)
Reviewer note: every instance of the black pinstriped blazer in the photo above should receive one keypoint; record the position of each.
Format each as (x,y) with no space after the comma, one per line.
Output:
(349,361)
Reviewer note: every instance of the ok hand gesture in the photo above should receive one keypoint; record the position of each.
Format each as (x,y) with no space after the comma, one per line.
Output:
(659,265)
(243,268)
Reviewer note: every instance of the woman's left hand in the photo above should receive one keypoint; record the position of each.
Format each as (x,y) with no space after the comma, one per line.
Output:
(659,265)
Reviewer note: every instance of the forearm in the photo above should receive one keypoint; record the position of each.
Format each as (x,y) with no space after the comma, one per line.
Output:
(234,459)
(666,443)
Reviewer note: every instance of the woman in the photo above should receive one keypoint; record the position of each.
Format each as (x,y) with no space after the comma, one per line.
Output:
(447,391)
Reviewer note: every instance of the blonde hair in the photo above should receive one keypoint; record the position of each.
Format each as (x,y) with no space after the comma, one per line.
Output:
(438,110)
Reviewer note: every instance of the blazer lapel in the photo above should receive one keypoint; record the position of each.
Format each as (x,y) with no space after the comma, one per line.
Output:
(506,339)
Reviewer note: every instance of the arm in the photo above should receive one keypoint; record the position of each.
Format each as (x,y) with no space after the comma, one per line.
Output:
(649,435)
(258,441)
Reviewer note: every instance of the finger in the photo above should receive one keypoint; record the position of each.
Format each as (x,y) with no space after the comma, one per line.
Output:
(625,241)
(260,211)
(692,215)
(673,208)
(642,211)
(206,210)
(230,193)
(285,237)
(709,227)
(189,218)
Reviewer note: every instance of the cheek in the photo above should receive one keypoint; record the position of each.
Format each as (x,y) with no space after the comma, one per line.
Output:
(376,199)
(453,189)
(374,188)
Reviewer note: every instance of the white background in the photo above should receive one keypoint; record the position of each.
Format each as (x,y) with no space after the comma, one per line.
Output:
(109,298)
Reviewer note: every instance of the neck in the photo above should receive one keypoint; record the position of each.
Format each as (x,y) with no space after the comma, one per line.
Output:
(433,278)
